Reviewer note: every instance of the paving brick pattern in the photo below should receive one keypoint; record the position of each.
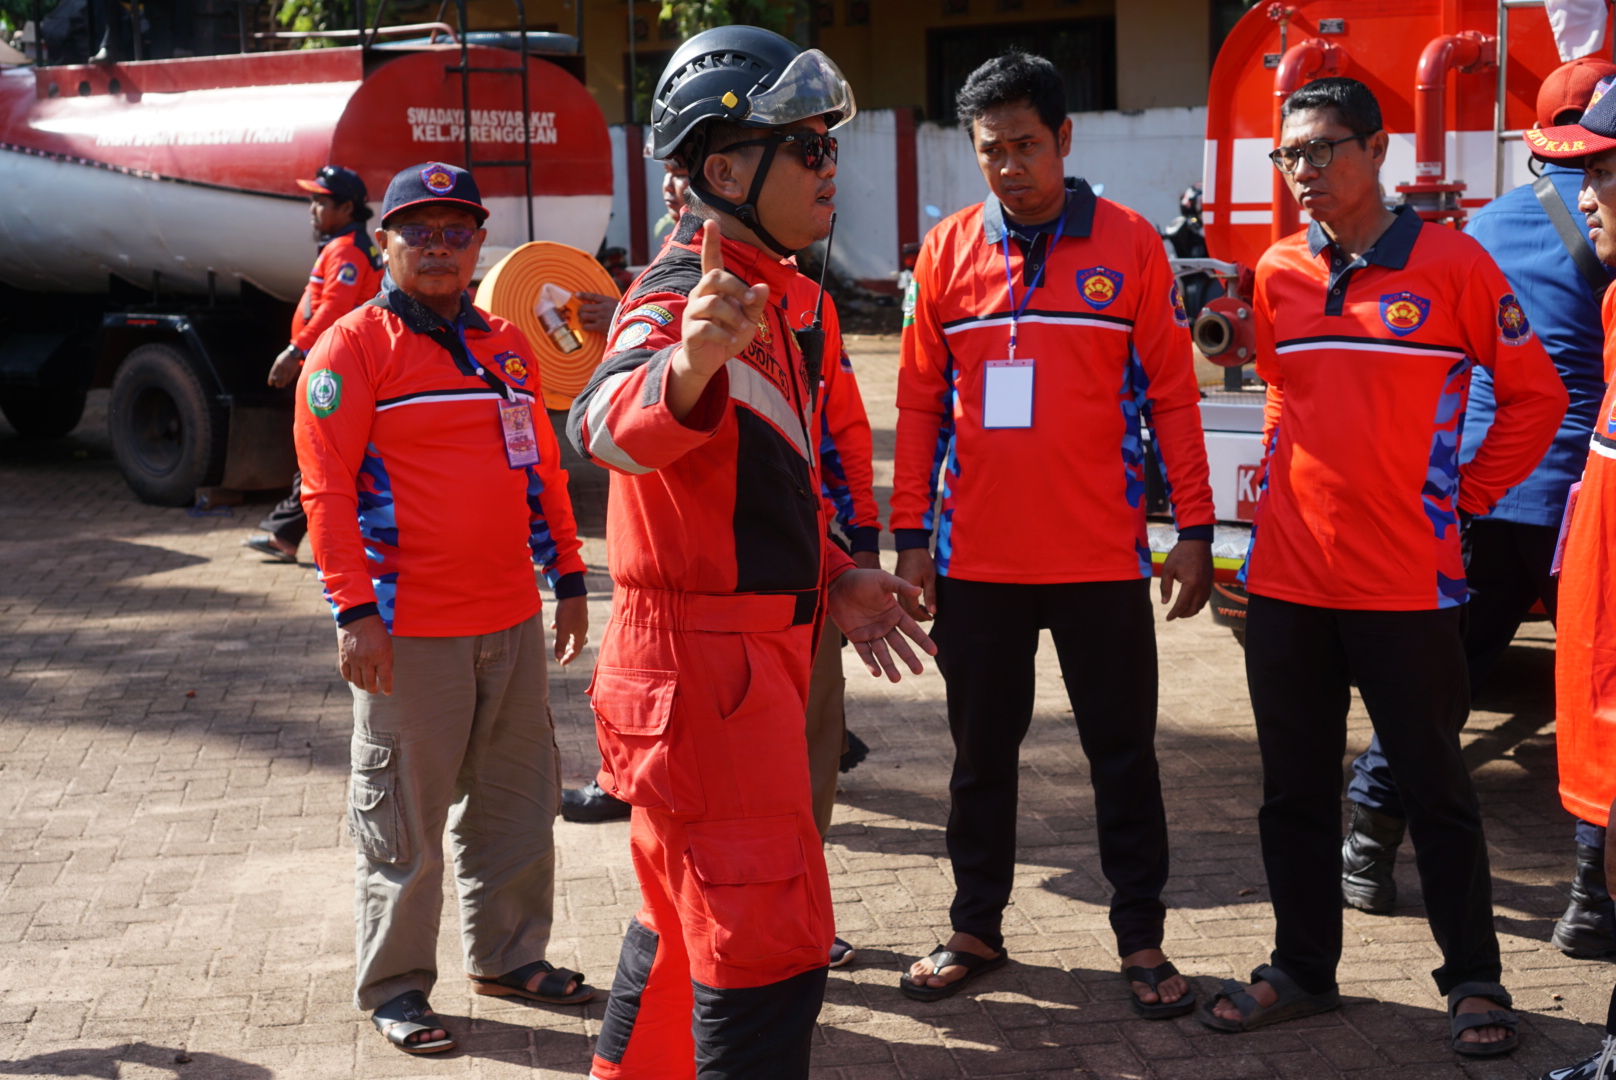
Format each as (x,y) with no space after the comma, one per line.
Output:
(175,880)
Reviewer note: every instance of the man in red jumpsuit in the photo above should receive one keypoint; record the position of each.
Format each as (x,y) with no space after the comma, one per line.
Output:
(347,272)
(703,409)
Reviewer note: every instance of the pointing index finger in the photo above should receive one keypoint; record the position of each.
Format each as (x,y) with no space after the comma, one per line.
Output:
(712,248)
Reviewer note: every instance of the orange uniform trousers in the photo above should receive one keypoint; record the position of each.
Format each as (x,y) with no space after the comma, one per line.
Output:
(699,703)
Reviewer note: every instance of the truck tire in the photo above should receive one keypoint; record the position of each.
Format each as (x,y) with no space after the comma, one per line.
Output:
(168,436)
(39,413)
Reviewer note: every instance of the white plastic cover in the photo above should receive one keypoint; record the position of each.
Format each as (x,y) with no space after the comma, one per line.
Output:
(811,85)
(1578,26)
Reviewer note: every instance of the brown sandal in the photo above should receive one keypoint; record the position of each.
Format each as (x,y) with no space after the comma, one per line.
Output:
(552,988)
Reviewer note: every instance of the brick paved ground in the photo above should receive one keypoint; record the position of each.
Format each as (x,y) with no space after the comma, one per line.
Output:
(175,879)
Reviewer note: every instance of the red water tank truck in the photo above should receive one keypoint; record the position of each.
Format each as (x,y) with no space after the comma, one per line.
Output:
(156,239)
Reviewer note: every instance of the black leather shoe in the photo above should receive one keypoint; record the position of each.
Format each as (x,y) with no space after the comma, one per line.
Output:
(1588,927)
(590,803)
(857,751)
(1368,857)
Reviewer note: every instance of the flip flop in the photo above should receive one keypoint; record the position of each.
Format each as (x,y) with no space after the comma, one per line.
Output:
(1459,1024)
(1293,1004)
(942,957)
(265,546)
(1153,978)
(552,988)
(401,1017)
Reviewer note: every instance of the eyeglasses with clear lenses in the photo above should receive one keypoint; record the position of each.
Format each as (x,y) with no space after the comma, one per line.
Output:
(815,147)
(1319,152)
(457,237)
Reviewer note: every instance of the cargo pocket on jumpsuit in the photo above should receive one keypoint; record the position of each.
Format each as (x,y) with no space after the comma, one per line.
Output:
(754,879)
(632,709)
(375,820)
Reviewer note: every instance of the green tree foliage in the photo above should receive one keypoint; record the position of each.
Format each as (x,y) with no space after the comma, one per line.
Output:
(694,16)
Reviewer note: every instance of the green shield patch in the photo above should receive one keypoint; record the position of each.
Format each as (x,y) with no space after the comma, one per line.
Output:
(324,392)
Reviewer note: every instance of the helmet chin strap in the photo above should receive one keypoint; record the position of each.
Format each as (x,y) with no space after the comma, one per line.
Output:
(746,213)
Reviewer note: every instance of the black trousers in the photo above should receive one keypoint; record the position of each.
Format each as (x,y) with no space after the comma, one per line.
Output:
(1105,637)
(288,521)
(1410,669)
(1507,568)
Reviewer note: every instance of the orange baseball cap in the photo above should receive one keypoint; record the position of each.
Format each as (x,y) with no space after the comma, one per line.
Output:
(1595,133)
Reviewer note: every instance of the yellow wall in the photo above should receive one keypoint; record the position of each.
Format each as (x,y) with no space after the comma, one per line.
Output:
(1162,45)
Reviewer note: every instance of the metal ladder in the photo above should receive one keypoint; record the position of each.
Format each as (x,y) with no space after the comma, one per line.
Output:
(466,70)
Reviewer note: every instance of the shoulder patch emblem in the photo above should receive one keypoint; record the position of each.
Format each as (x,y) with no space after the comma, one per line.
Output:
(654,312)
(1513,329)
(324,392)
(1099,286)
(1403,312)
(514,367)
(1175,297)
(911,296)
(348,274)
(631,335)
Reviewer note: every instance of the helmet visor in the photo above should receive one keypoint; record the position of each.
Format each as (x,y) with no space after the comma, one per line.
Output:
(811,85)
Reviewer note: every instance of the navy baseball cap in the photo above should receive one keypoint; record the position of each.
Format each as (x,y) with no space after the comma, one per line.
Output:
(434,184)
(1593,134)
(343,185)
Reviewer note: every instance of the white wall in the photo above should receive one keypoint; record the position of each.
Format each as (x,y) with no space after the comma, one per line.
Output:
(1144,159)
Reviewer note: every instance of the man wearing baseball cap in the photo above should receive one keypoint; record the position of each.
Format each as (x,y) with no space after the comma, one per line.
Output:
(1540,242)
(433,486)
(347,272)
(1585,663)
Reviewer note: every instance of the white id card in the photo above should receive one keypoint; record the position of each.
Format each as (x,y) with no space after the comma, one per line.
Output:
(1007,394)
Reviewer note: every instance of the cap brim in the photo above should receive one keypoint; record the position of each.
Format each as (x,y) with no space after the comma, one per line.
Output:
(1568,142)
(318,189)
(477,210)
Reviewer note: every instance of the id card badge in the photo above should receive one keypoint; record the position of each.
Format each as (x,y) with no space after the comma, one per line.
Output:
(516,420)
(1007,394)
(1565,528)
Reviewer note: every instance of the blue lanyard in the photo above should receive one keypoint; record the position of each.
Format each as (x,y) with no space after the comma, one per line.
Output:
(1010,280)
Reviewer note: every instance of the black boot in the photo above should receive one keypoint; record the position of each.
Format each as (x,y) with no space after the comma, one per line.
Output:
(1367,858)
(1588,928)
(592,803)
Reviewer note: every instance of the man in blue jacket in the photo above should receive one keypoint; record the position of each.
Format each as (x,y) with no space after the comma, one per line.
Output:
(1509,552)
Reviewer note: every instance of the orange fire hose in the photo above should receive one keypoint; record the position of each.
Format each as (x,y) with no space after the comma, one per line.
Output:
(511,290)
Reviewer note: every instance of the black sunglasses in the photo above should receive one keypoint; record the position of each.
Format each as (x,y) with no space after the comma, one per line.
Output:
(815,147)
(1319,152)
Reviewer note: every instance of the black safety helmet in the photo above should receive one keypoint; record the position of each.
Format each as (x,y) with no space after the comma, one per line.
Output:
(748,76)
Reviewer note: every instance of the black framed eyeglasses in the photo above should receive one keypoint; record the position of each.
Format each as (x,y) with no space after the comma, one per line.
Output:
(815,147)
(1319,152)
(457,237)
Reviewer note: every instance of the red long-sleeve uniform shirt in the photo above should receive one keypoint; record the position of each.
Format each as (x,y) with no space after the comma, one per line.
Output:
(347,272)
(415,513)
(846,445)
(728,500)
(1368,369)
(1062,500)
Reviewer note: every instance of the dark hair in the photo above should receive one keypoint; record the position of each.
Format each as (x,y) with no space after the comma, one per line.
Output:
(1352,102)
(706,139)
(361,211)
(1016,76)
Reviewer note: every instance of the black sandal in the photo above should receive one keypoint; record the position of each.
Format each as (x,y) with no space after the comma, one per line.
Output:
(942,957)
(401,1017)
(1504,1018)
(552,988)
(1293,1004)
(1153,978)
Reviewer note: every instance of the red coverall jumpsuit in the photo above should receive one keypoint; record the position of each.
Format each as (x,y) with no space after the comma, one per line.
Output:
(716,542)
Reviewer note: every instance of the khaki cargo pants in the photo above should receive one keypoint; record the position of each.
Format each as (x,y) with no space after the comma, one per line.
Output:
(465,740)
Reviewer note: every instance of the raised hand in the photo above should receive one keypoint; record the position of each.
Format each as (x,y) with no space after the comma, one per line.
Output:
(719,322)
